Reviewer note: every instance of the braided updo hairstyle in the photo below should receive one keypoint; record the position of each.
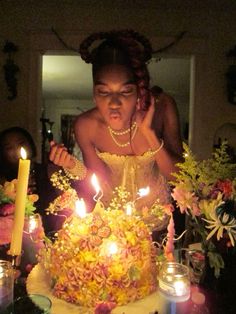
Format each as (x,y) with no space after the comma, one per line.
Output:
(124,47)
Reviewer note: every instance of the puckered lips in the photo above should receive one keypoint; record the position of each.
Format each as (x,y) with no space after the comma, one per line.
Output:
(114,115)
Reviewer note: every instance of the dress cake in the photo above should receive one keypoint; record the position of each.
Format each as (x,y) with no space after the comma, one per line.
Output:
(103,256)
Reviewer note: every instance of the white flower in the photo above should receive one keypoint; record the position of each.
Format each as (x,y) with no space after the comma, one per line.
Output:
(219,224)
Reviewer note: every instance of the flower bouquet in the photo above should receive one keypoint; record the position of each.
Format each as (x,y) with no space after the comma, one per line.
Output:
(7,208)
(206,191)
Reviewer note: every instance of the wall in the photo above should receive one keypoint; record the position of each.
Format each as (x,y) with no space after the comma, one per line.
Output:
(55,108)
(211,22)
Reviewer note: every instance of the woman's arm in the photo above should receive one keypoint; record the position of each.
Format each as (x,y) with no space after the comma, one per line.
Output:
(84,133)
(171,150)
(85,129)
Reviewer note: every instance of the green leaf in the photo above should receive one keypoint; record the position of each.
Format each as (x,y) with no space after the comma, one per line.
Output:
(29,208)
(216,261)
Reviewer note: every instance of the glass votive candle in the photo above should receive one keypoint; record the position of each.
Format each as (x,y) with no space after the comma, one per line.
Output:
(32,223)
(6,284)
(33,303)
(43,302)
(174,282)
(33,240)
(195,260)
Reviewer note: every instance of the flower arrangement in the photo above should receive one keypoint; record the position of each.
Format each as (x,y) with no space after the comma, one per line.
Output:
(7,199)
(7,207)
(206,191)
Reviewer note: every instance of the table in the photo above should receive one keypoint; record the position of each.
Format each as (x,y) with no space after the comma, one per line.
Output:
(38,282)
(219,301)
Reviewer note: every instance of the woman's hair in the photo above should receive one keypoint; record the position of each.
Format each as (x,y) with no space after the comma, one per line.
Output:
(156,90)
(124,47)
(18,130)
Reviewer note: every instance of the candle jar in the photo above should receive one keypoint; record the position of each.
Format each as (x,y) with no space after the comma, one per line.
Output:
(174,282)
(33,239)
(195,260)
(6,284)
(33,303)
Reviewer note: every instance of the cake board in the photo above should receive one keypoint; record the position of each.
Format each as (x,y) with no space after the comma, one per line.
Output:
(38,282)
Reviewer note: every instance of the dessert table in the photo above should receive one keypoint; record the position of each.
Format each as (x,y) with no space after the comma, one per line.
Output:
(217,301)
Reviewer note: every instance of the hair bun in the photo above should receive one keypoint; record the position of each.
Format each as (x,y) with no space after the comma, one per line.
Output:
(115,36)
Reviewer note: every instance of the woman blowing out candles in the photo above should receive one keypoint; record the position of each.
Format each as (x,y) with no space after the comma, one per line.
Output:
(119,138)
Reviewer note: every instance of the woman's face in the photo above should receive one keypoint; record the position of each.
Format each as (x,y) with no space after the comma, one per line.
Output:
(11,148)
(115,95)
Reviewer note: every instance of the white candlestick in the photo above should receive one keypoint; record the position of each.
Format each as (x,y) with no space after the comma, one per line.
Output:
(20,201)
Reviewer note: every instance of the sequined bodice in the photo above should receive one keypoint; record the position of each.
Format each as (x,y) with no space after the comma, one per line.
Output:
(133,173)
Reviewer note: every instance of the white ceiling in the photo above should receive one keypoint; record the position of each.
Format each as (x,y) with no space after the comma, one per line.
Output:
(69,77)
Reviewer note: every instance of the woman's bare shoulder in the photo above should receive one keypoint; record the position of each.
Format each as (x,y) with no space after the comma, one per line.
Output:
(86,118)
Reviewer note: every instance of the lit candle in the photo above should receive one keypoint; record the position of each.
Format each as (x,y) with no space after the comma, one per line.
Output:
(20,201)
(99,205)
(112,248)
(129,208)
(96,186)
(33,223)
(174,282)
(174,286)
(143,192)
(80,208)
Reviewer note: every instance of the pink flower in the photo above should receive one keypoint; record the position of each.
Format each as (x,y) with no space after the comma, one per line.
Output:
(195,209)
(182,197)
(104,307)
(7,209)
(169,208)
(186,200)
(6,225)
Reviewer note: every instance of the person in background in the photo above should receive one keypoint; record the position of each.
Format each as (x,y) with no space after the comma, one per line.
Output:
(11,140)
(126,139)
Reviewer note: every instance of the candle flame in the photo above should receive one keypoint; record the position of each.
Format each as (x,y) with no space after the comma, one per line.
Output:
(113,249)
(33,223)
(95,183)
(80,208)
(180,288)
(23,153)
(143,191)
(129,209)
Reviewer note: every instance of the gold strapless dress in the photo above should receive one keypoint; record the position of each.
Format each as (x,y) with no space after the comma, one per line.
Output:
(132,173)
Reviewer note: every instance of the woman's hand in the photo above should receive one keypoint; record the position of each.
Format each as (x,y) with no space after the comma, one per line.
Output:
(144,118)
(60,156)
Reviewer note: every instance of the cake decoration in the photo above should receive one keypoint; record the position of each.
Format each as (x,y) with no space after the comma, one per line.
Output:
(106,256)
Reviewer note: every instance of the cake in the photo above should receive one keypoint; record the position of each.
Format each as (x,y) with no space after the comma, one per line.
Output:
(103,256)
